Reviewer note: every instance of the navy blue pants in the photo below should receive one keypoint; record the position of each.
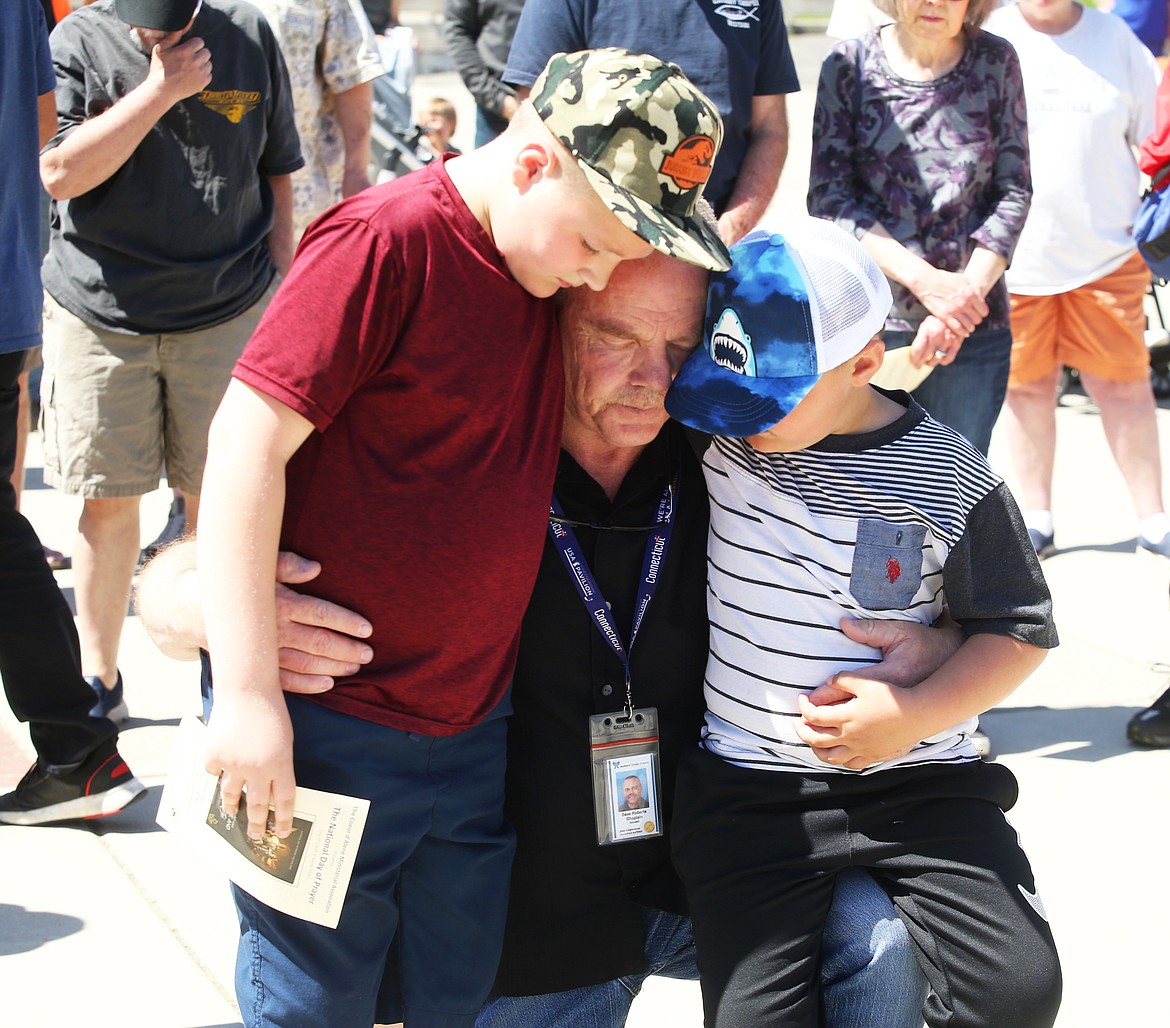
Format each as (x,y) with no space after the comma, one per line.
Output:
(429,891)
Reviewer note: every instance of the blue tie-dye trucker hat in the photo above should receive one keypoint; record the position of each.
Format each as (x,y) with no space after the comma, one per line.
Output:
(800,299)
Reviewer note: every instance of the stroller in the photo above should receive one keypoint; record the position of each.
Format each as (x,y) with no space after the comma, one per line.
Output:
(395,139)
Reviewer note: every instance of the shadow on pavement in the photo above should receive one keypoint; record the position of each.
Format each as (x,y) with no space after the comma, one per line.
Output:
(137,819)
(26,930)
(1087,733)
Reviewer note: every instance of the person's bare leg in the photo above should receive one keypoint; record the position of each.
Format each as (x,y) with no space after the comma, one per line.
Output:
(1029,422)
(192,502)
(104,559)
(1131,428)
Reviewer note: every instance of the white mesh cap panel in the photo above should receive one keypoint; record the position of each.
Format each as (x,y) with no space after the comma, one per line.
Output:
(849,295)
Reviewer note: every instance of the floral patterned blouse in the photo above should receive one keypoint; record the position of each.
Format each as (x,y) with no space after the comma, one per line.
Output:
(942,165)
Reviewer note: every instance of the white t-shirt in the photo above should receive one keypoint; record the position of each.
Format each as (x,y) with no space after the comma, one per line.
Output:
(1090,94)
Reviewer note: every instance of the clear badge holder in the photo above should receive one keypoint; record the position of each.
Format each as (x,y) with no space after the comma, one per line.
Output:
(627,799)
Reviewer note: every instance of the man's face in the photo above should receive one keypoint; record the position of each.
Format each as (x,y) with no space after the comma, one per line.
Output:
(624,346)
(148,39)
(632,790)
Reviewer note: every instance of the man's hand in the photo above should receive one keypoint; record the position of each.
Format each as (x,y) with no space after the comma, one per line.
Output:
(180,70)
(318,640)
(98,147)
(856,719)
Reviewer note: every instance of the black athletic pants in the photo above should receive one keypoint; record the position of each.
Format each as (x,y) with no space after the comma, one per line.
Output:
(40,659)
(758,851)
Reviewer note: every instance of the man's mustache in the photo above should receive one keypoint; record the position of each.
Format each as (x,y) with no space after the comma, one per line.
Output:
(644,399)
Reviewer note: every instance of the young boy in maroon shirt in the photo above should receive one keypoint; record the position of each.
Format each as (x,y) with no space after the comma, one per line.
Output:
(365,418)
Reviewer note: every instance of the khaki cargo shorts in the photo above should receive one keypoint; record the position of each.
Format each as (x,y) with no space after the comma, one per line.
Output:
(117,409)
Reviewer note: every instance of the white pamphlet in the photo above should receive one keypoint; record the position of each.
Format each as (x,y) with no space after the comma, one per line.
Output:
(305,875)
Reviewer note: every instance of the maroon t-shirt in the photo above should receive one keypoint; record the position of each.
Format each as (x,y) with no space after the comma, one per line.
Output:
(435,384)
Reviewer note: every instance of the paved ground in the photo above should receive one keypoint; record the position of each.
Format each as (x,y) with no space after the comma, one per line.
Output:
(114,924)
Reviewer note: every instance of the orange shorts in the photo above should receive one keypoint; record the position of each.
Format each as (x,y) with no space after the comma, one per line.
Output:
(1098,328)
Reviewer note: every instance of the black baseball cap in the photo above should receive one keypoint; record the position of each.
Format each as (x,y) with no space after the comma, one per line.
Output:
(163,15)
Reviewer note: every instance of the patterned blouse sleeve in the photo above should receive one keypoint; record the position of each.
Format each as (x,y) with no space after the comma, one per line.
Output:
(348,53)
(836,166)
(1011,188)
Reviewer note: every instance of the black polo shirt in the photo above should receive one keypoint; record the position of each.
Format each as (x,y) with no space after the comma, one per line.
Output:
(575,914)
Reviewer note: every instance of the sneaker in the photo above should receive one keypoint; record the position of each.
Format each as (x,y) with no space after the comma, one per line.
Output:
(101,786)
(1151,727)
(981,742)
(1042,543)
(109,701)
(174,528)
(1161,549)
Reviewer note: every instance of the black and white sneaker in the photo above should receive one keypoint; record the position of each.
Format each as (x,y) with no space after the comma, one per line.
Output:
(103,785)
(1151,727)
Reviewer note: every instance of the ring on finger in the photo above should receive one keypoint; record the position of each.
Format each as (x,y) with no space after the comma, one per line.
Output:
(940,354)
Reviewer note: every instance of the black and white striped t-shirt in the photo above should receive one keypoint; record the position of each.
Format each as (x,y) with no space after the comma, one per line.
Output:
(887,524)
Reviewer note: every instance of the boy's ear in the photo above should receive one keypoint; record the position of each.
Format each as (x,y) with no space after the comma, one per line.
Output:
(533,161)
(868,361)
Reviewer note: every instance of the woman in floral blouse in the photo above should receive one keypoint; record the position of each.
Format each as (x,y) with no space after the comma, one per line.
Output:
(920,148)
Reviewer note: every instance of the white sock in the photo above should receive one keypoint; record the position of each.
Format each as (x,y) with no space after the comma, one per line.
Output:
(1154,528)
(1038,520)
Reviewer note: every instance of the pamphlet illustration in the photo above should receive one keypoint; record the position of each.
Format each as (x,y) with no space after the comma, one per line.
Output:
(305,875)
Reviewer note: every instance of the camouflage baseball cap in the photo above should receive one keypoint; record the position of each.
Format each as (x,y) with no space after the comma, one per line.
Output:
(645,138)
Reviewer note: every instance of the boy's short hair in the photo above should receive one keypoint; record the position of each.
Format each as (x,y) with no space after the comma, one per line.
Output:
(798,301)
(645,138)
(440,106)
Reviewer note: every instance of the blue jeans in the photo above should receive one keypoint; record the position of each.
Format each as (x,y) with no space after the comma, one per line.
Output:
(968,393)
(870,975)
(430,878)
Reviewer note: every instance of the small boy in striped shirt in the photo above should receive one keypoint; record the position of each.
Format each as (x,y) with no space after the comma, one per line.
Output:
(832,499)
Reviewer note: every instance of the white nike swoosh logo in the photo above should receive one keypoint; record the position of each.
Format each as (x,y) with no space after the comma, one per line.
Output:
(1034,902)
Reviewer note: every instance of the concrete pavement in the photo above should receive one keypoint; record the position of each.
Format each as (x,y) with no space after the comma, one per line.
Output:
(114,924)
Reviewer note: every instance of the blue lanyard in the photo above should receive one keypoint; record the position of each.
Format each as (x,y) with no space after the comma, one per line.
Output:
(566,543)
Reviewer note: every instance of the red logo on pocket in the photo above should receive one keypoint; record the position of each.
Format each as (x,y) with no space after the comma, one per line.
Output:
(893,570)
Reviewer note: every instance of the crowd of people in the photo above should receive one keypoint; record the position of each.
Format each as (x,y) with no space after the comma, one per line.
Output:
(760,586)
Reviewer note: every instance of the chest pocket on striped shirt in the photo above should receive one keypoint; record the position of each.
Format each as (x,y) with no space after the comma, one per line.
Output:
(887,564)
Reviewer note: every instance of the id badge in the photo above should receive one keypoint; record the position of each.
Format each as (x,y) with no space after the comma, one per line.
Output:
(627,800)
